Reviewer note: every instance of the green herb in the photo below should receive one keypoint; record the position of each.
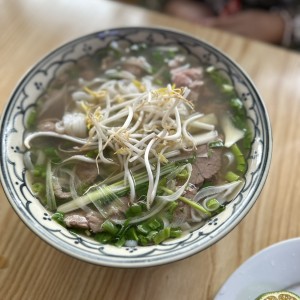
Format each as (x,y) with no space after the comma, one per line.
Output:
(38,188)
(32,120)
(103,237)
(216,144)
(213,204)
(109,227)
(134,210)
(231,176)
(191,203)
(170,209)
(59,218)
(120,241)
(216,76)
(155,224)
(92,153)
(247,141)
(39,171)
(143,228)
(52,154)
(183,175)
(228,89)
(239,157)
(162,235)
(175,232)
(131,234)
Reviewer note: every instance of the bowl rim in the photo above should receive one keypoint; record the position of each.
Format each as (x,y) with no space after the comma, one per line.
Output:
(53,241)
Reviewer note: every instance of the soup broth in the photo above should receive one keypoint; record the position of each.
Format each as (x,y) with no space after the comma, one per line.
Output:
(136,144)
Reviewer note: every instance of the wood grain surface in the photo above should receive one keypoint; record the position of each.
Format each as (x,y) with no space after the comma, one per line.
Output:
(31,269)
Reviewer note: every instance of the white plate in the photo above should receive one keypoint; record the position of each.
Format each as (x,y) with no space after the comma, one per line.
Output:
(274,268)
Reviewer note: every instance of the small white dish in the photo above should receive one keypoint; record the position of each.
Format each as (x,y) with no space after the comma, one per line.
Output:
(272,269)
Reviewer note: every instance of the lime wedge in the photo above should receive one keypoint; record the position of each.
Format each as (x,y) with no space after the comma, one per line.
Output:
(280,295)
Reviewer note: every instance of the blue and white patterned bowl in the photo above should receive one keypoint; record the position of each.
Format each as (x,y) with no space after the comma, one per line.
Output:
(14,175)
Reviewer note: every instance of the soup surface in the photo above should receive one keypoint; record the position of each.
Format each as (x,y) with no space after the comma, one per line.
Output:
(136,145)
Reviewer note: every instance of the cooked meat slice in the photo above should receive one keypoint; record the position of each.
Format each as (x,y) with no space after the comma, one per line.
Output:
(86,220)
(211,165)
(87,173)
(190,77)
(76,219)
(95,221)
(206,167)
(47,125)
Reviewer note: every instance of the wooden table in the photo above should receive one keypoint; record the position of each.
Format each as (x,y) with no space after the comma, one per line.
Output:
(30,269)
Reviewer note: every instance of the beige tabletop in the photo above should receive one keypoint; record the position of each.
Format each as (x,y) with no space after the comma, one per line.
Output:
(31,269)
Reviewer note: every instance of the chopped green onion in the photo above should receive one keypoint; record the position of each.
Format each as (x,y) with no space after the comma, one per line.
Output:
(143,228)
(39,171)
(231,176)
(52,154)
(212,204)
(190,202)
(103,237)
(216,76)
(134,210)
(182,175)
(108,226)
(120,242)
(32,119)
(247,138)
(154,224)
(239,157)
(92,153)
(216,144)
(227,88)
(237,104)
(151,235)
(162,235)
(143,240)
(59,218)
(131,234)
(38,188)
(175,232)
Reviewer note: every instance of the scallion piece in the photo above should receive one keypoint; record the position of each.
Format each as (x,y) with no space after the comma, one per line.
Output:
(231,176)
(103,237)
(239,157)
(190,202)
(162,235)
(120,242)
(134,210)
(108,226)
(38,188)
(32,119)
(131,234)
(216,144)
(212,204)
(143,228)
(59,218)
(175,232)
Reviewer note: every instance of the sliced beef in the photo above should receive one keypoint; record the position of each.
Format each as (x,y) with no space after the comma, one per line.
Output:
(86,172)
(76,219)
(85,220)
(191,77)
(206,167)
(95,221)
(47,125)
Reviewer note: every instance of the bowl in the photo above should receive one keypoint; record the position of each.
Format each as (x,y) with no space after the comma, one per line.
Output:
(14,175)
